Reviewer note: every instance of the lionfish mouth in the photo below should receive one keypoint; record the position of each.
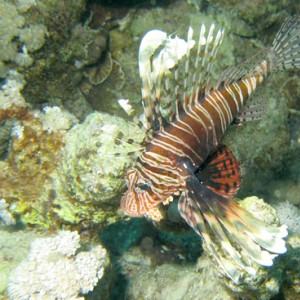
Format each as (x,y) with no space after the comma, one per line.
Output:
(129,204)
(137,204)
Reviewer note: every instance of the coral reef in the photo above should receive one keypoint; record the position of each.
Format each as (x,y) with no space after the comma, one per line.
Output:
(57,268)
(16,35)
(43,186)
(87,162)
(172,281)
(291,263)
(253,12)
(5,216)
(45,183)
(10,24)
(10,92)
(92,45)
(32,151)
(90,178)
(14,247)
(54,119)
(59,173)
(58,53)
(271,277)
(289,214)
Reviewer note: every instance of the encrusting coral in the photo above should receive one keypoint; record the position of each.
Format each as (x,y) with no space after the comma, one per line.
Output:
(57,268)
(32,151)
(91,181)
(53,174)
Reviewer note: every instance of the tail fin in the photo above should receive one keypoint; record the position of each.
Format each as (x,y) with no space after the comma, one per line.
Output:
(224,225)
(285,52)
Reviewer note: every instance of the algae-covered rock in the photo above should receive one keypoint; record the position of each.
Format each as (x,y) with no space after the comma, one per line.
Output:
(81,181)
(170,281)
(203,280)
(289,214)
(96,156)
(291,265)
(266,281)
(253,12)
(90,168)
(31,154)
(31,34)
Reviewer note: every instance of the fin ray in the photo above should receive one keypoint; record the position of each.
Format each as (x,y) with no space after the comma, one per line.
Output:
(221,172)
(223,223)
(285,53)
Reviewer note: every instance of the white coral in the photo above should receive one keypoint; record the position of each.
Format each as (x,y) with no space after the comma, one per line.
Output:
(55,119)
(89,270)
(10,92)
(289,214)
(33,36)
(65,243)
(53,271)
(10,23)
(5,215)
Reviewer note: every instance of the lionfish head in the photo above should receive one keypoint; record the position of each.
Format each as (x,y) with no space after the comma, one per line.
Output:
(139,200)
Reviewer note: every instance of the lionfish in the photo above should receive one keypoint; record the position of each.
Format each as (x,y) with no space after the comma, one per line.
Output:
(183,156)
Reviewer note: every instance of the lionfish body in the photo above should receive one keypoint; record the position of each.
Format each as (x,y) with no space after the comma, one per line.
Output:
(183,156)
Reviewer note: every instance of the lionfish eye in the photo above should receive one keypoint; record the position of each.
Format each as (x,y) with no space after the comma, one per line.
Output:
(142,185)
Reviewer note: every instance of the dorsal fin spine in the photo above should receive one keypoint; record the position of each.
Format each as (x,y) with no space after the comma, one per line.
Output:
(196,66)
(187,65)
(203,74)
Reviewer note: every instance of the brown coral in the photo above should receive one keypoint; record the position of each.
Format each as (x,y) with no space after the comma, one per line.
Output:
(32,156)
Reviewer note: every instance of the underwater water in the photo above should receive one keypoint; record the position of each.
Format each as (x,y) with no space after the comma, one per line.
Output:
(66,144)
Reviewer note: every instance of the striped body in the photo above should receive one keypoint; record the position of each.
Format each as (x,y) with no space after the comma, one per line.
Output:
(180,148)
(183,157)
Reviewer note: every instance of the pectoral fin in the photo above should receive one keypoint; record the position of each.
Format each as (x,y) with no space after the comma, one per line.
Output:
(226,227)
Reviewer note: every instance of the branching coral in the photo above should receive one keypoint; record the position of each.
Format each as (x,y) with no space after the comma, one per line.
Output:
(10,23)
(14,247)
(14,36)
(53,270)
